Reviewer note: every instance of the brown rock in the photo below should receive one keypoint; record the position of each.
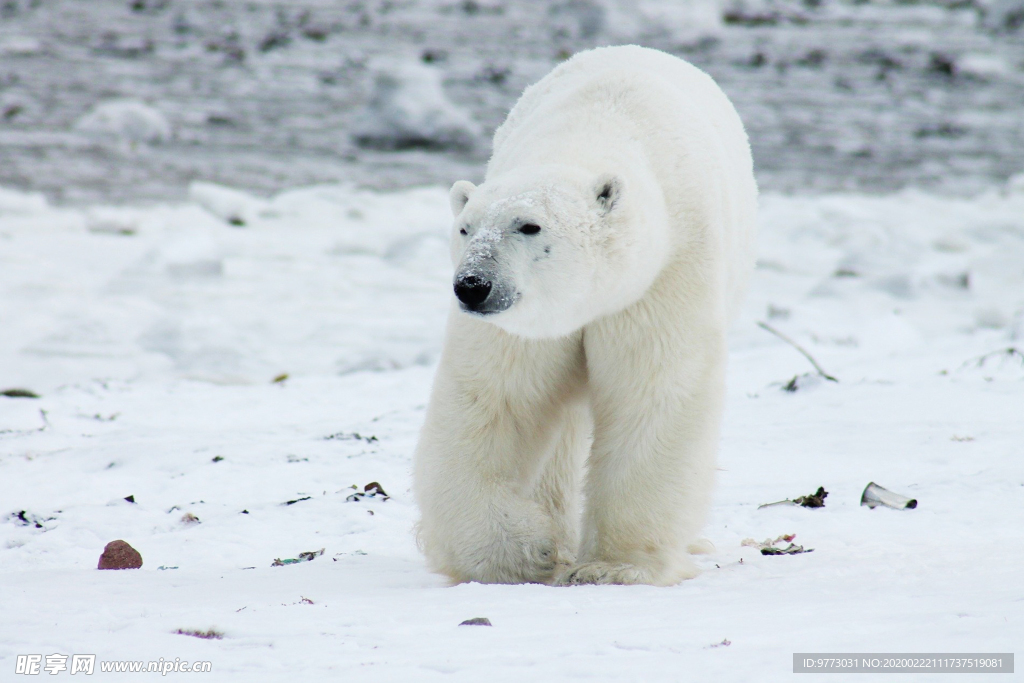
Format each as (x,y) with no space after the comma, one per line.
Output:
(120,555)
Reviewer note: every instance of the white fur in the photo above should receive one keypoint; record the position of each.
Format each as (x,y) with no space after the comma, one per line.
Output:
(571,438)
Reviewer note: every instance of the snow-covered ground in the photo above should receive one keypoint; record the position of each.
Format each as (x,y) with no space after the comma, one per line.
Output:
(153,336)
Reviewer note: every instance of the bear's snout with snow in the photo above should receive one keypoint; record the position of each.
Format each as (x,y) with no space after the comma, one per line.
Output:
(573,423)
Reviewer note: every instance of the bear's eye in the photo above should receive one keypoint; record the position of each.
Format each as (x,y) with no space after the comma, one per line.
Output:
(529,229)
(462,231)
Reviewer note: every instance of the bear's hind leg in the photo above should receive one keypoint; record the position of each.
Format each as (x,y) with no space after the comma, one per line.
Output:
(655,378)
(559,490)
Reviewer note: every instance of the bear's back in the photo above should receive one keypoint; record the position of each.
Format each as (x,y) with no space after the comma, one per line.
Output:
(635,63)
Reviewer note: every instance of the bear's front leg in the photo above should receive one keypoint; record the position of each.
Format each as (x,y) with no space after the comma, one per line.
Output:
(656,381)
(495,412)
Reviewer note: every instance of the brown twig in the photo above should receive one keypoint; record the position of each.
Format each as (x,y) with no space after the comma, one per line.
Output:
(1008,354)
(769,328)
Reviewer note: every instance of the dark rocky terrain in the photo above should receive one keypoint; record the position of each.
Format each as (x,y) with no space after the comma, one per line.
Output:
(869,96)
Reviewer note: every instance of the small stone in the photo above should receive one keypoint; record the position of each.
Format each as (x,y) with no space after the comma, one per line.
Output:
(476,621)
(18,393)
(119,555)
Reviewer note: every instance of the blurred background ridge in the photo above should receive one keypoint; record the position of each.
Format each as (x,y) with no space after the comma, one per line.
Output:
(127,100)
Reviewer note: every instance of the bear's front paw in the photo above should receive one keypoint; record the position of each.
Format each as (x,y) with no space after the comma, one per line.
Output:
(517,560)
(511,543)
(606,572)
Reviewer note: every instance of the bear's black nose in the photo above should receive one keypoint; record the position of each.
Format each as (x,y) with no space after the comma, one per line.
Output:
(472,290)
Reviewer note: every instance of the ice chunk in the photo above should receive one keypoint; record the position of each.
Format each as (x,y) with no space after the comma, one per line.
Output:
(14,202)
(230,205)
(128,120)
(1003,15)
(409,109)
(623,21)
(20,46)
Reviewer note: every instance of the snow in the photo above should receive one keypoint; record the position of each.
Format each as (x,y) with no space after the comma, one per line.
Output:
(127,120)
(983,66)
(153,334)
(1003,15)
(624,21)
(408,108)
(20,46)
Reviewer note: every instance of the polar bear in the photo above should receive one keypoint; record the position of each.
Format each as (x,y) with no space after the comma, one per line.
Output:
(573,423)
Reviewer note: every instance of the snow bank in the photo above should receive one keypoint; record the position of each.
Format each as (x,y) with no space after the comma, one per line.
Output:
(227,288)
(14,202)
(128,120)
(232,287)
(627,21)
(20,46)
(1003,15)
(949,265)
(408,108)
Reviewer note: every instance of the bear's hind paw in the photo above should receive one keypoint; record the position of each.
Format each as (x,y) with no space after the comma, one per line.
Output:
(627,574)
(604,573)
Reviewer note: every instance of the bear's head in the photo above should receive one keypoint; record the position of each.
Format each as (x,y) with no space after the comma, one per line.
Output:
(542,251)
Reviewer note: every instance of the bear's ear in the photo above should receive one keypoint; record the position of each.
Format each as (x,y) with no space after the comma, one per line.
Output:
(459,195)
(607,191)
